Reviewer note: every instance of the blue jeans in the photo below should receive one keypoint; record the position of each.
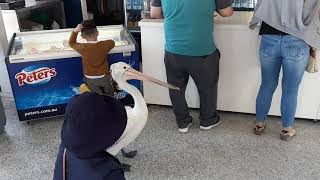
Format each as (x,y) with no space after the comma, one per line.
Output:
(292,54)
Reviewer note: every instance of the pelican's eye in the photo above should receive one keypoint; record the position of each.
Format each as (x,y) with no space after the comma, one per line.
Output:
(124,67)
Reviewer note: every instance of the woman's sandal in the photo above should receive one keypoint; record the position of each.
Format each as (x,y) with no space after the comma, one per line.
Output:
(259,129)
(287,135)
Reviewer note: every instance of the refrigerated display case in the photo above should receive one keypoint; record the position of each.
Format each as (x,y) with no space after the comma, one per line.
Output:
(45,72)
(244,5)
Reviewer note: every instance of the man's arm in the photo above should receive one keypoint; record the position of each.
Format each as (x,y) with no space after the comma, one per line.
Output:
(156,10)
(224,7)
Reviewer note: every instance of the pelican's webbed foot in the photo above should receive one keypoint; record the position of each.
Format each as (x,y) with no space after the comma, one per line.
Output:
(129,154)
(125,167)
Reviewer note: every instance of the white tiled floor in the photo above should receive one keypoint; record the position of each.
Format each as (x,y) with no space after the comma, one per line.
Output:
(230,151)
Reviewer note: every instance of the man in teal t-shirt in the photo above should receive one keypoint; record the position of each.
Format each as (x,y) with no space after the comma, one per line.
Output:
(190,51)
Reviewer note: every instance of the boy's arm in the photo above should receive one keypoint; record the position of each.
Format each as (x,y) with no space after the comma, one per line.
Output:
(73,40)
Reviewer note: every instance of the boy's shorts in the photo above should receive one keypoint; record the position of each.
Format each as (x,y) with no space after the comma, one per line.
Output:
(100,85)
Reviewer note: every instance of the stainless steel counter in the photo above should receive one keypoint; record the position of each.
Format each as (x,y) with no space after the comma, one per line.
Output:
(37,5)
(54,7)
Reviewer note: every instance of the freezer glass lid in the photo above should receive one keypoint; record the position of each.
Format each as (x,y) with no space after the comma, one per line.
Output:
(42,42)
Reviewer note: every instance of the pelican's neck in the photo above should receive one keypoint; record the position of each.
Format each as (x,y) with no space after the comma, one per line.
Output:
(139,102)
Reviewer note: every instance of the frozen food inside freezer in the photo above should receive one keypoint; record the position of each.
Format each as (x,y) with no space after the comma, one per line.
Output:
(57,41)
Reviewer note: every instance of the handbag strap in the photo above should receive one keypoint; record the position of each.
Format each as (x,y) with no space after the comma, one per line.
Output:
(64,164)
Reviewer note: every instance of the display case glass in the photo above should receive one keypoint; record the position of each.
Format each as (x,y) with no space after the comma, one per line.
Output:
(44,42)
(244,5)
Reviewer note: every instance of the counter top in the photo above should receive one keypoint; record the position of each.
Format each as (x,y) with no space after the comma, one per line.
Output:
(239,20)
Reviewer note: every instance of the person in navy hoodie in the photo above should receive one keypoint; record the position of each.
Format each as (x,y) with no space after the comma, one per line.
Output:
(92,124)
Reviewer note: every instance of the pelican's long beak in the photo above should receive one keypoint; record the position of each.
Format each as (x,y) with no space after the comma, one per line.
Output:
(134,74)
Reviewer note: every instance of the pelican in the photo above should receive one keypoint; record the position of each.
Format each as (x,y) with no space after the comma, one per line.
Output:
(138,115)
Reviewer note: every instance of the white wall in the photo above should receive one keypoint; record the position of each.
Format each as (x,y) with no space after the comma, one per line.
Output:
(11,22)
(4,80)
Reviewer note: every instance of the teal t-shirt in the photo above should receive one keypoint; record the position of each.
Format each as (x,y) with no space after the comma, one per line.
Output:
(189,26)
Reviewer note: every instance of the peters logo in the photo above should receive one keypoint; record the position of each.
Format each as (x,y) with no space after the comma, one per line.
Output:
(35,75)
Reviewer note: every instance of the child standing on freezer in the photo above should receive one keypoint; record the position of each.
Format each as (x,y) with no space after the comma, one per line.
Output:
(94,57)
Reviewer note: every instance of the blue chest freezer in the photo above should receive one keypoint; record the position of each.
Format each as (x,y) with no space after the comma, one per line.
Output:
(45,72)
